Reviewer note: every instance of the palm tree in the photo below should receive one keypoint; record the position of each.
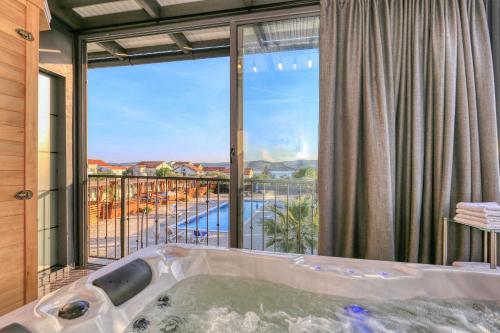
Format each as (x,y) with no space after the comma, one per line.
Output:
(296,227)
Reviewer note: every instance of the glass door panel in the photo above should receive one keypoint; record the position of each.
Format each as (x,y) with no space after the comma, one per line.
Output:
(278,87)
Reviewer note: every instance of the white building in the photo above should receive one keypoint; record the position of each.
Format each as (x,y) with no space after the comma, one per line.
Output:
(188,169)
(149,168)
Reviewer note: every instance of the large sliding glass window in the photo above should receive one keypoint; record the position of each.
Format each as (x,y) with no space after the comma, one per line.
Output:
(278,87)
(159,145)
(158,131)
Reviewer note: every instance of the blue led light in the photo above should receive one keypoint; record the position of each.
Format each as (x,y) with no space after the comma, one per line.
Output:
(359,316)
(357,311)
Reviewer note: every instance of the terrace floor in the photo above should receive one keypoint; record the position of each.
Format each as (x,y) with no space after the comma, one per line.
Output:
(51,281)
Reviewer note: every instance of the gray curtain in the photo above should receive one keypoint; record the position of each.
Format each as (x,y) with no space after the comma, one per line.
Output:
(407,126)
(493,15)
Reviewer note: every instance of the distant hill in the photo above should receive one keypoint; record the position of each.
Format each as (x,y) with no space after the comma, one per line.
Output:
(271,166)
(215,164)
(302,164)
(281,166)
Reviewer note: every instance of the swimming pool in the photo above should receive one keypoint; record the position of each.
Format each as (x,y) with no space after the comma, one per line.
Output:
(223,217)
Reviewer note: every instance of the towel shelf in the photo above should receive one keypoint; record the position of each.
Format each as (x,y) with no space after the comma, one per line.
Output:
(487,231)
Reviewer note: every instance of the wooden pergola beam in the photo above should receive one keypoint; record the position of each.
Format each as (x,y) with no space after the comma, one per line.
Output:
(114,48)
(151,7)
(182,42)
(138,51)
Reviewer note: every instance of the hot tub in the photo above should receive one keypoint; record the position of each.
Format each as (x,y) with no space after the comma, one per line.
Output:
(215,290)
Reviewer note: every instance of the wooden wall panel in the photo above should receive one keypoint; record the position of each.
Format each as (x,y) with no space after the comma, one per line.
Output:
(8,208)
(11,278)
(12,88)
(14,11)
(11,133)
(6,192)
(11,73)
(11,58)
(31,156)
(10,178)
(11,103)
(12,44)
(11,162)
(12,148)
(18,152)
(11,118)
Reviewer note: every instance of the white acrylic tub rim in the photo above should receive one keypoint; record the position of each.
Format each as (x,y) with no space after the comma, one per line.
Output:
(344,277)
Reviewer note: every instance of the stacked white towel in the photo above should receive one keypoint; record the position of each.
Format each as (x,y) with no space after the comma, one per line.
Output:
(480,214)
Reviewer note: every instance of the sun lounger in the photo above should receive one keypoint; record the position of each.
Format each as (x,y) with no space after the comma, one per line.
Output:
(202,236)
(171,236)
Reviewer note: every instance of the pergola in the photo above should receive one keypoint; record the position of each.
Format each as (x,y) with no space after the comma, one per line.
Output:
(89,16)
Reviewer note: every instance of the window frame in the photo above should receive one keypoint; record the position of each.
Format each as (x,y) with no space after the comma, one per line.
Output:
(236,156)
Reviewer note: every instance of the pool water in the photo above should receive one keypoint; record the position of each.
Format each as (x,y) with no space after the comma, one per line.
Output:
(229,304)
(222,217)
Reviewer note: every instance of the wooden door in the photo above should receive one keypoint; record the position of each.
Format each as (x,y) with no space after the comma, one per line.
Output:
(18,151)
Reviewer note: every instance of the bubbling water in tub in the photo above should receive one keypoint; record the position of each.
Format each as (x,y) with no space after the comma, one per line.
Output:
(228,304)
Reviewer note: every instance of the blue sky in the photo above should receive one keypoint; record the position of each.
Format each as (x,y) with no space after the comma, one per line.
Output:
(180,110)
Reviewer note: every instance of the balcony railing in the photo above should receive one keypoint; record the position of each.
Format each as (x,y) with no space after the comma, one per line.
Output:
(280,215)
(128,213)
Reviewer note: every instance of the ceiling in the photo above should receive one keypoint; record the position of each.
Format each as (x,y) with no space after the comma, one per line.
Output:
(191,44)
(94,15)
(84,15)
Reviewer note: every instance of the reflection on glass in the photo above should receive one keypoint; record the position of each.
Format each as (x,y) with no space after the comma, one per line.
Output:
(278,93)
(47,174)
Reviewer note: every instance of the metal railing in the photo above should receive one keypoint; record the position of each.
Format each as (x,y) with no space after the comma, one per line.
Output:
(280,215)
(128,213)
